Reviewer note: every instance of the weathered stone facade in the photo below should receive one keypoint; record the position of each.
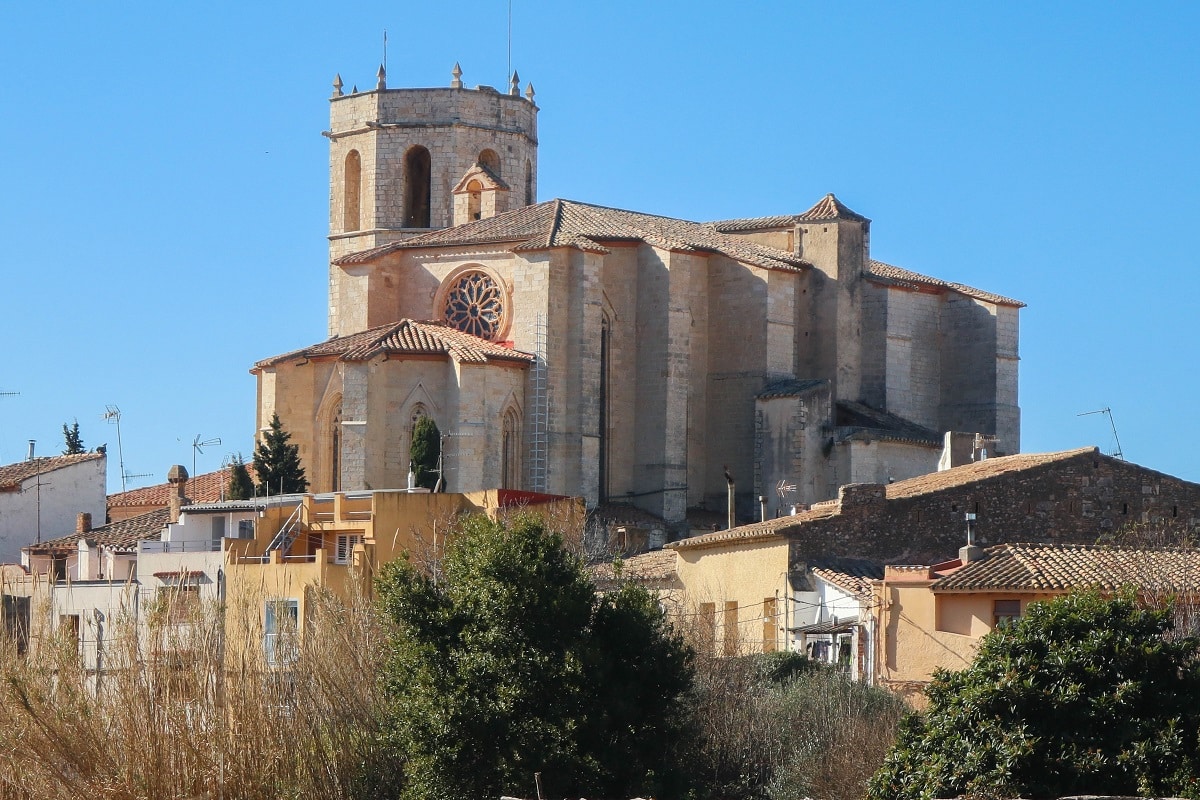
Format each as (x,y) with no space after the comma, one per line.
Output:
(1073,497)
(652,339)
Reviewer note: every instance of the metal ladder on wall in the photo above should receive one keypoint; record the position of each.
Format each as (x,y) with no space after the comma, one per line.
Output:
(539,411)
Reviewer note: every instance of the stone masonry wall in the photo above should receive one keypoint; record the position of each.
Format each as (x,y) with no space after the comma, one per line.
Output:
(1081,499)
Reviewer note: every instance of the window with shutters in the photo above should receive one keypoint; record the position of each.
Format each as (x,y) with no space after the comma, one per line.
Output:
(344,552)
(281,619)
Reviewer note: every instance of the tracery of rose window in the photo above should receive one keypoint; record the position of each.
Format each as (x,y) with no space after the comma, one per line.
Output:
(475,305)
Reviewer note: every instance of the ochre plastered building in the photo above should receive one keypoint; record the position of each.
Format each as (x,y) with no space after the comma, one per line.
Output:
(619,356)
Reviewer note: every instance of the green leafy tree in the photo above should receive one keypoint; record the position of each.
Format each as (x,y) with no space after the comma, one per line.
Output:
(73,440)
(425,450)
(241,485)
(508,664)
(1082,695)
(277,462)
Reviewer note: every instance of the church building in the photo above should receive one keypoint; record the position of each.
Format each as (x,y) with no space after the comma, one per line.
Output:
(623,357)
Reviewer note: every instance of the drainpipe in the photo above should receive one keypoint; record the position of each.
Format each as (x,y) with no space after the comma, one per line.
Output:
(729,485)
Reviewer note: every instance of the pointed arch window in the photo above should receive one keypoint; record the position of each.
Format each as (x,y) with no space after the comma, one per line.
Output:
(510,451)
(528,183)
(417,177)
(335,451)
(351,192)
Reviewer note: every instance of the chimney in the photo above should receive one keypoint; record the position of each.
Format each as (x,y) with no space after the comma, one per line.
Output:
(83,522)
(177,476)
(32,442)
(972,552)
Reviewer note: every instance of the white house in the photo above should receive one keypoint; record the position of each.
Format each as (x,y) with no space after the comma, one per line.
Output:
(832,614)
(41,498)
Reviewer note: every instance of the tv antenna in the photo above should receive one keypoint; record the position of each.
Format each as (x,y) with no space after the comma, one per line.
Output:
(1108,412)
(9,394)
(130,476)
(113,414)
(198,447)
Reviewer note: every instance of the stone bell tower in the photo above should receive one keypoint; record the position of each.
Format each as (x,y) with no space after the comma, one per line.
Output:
(399,161)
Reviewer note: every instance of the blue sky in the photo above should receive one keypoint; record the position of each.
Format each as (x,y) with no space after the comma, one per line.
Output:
(164,203)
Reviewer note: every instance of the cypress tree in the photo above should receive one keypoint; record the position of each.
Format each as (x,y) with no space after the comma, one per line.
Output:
(425,450)
(73,440)
(241,485)
(278,463)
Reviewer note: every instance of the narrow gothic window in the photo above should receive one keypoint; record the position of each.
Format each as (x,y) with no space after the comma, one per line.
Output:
(510,467)
(335,452)
(605,337)
(475,305)
(528,184)
(351,186)
(416,188)
(490,160)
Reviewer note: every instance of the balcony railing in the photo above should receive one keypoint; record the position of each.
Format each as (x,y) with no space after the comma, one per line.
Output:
(196,546)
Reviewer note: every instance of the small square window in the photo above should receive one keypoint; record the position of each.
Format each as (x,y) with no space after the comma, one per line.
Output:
(1005,612)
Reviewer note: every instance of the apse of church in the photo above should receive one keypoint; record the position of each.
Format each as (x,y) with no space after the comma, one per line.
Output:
(620,356)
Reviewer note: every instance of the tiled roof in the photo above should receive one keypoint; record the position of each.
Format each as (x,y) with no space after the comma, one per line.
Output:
(12,475)
(655,566)
(624,514)
(754,223)
(1043,567)
(898,276)
(405,337)
(790,387)
(858,418)
(979,471)
(852,574)
(566,223)
(206,488)
(830,208)
(123,535)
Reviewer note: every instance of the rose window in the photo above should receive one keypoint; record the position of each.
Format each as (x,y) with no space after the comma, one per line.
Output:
(475,305)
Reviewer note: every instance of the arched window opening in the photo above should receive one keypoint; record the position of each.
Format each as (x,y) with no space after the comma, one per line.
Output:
(474,200)
(490,160)
(510,451)
(351,192)
(528,184)
(416,188)
(335,451)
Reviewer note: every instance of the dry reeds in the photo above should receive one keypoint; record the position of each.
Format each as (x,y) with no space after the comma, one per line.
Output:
(178,710)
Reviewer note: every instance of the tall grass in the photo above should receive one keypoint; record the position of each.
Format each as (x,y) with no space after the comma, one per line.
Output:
(179,712)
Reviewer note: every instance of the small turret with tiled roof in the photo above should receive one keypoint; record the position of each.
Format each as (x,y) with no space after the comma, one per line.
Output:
(829,208)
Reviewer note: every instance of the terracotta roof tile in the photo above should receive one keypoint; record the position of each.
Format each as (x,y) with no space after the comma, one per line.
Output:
(566,223)
(852,574)
(754,223)
(206,488)
(978,471)
(12,475)
(655,566)
(855,419)
(123,535)
(790,387)
(1043,567)
(405,337)
(829,208)
(898,276)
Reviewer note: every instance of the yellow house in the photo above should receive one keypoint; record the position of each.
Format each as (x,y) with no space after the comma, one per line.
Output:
(735,589)
(338,542)
(933,617)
